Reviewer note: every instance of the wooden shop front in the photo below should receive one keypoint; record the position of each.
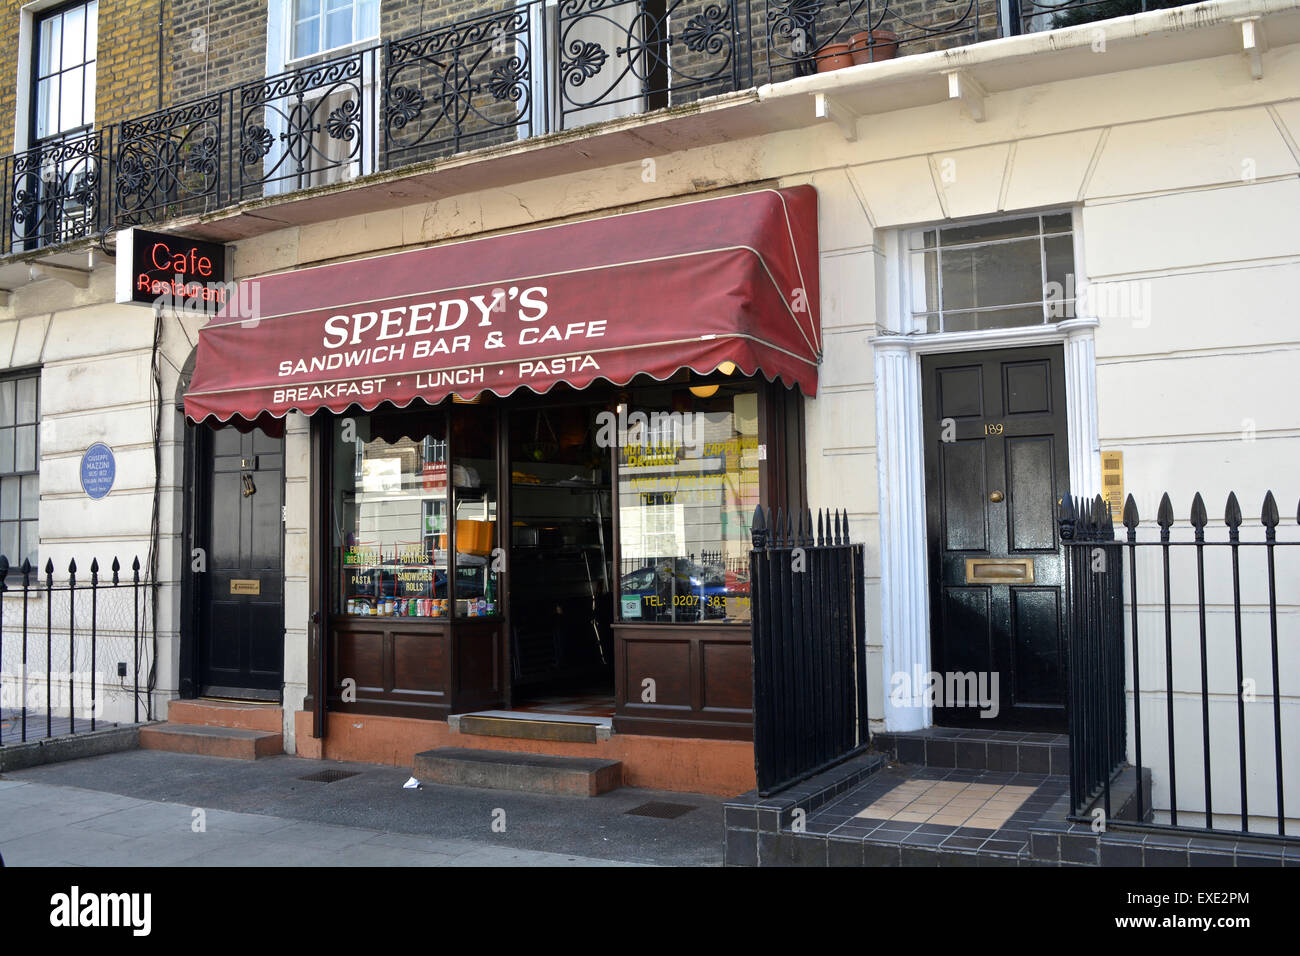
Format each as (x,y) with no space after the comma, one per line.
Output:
(495,554)
(534,459)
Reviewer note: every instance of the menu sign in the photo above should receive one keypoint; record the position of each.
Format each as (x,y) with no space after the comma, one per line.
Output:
(375,573)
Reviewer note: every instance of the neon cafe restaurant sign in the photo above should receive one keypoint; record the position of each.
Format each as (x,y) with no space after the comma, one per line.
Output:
(171,271)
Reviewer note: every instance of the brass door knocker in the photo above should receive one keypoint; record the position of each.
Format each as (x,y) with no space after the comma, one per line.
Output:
(249,487)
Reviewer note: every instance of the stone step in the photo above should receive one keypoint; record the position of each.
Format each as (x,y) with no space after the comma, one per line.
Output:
(1013,751)
(233,742)
(525,727)
(503,770)
(220,713)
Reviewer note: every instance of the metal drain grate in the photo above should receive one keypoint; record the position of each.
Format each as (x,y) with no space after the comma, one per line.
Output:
(661,811)
(329,776)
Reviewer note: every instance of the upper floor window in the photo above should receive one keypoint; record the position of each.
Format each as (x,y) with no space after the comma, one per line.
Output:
(320,25)
(63,77)
(992,274)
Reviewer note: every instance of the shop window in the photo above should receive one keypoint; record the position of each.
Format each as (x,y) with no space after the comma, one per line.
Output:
(390,515)
(997,274)
(478,562)
(19,469)
(688,483)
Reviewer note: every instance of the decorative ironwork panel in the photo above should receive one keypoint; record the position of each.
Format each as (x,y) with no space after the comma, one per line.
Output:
(305,127)
(55,192)
(169,163)
(473,83)
(617,57)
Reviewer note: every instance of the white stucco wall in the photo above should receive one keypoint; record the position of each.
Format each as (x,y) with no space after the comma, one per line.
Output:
(94,361)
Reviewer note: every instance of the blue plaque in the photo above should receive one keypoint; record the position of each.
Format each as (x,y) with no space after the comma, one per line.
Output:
(98,469)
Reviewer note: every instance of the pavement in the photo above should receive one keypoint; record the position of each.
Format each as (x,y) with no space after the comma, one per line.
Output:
(152,808)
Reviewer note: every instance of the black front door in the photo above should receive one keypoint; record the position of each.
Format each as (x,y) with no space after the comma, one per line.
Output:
(996,463)
(241,593)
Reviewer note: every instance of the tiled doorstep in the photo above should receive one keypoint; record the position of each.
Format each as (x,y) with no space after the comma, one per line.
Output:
(979,749)
(1038,834)
(759,832)
(906,843)
(1057,841)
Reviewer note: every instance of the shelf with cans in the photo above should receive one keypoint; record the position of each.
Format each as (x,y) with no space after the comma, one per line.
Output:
(411,581)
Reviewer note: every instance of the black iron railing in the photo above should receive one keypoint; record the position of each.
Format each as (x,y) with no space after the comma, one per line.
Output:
(1177,664)
(1094,610)
(808,629)
(56,192)
(59,641)
(500,76)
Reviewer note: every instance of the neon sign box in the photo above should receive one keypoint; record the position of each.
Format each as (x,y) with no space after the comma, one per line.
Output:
(189,272)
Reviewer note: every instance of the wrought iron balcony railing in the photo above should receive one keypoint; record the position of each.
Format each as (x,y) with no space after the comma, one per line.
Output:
(502,76)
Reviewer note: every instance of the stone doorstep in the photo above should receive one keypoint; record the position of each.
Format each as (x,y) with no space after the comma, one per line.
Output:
(569,731)
(232,742)
(220,713)
(529,772)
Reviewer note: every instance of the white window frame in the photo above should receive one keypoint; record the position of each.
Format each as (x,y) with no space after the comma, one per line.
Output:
(288,59)
(546,87)
(909,260)
(279,46)
(23,86)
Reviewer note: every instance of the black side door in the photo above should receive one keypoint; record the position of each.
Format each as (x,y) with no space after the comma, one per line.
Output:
(241,594)
(996,463)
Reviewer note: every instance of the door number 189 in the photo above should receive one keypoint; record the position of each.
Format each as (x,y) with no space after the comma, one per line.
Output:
(993,429)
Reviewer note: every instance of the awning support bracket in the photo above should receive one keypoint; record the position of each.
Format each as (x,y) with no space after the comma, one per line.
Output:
(964,87)
(845,117)
(1254,45)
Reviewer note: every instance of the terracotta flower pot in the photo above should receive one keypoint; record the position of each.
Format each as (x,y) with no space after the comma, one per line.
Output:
(870,46)
(833,56)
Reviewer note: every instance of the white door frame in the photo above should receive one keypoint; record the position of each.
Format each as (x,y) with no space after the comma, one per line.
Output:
(904,576)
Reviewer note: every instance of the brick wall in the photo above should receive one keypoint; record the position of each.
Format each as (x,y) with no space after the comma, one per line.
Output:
(215,45)
(127,76)
(8,73)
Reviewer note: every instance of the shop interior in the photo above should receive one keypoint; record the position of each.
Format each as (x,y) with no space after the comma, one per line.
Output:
(561,562)
(431,505)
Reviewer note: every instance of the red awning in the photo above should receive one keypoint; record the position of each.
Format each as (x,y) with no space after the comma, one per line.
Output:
(686,286)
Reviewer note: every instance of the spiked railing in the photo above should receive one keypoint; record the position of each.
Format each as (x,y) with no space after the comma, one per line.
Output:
(808,636)
(81,616)
(1237,782)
